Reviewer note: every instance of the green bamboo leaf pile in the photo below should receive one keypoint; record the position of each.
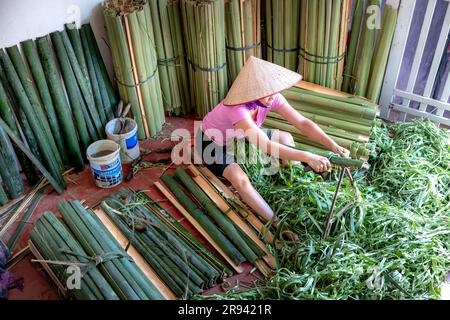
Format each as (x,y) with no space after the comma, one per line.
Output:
(367,53)
(283,32)
(175,260)
(243,33)
(393,242)
(56,244)
(173,73)
(204,32)
(348,121)
(323,41)
(122,274)
(135,60)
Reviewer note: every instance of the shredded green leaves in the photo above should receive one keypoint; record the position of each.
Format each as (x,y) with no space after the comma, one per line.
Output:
(390,238)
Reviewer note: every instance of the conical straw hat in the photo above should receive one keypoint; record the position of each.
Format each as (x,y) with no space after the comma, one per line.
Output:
(259,79)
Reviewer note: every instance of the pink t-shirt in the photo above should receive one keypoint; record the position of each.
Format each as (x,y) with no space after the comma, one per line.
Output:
(223,118)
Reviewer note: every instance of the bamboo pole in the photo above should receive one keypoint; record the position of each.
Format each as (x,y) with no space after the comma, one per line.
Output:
(203,183)
(245,212)
(197,226)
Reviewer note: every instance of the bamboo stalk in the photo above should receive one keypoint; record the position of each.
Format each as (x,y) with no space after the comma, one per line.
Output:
(61,106)
(135,255)
(207,235)
(226,209)
(380,58)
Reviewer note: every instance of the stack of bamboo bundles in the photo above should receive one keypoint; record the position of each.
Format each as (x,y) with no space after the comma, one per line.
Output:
(50,122)
(348,120)
(283,32)
(173,73)
(243,33)
(323,41)
(231,230)
(367,53)
(204,27)
(131,37)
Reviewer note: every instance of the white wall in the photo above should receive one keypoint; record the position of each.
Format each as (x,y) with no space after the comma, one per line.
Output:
(27,19)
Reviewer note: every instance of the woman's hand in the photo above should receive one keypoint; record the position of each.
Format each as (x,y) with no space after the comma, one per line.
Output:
(318,163)
(341,151)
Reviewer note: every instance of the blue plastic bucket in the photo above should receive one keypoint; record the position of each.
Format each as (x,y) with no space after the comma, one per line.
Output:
(104,159)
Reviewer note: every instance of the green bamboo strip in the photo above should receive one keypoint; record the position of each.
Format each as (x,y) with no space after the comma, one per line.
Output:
(362,68)
(109,269)
(343,36)
(93,278)
(204,220)
(199,249)
(157,107)
(312,40)
(45,241)
(3,196)
(243,33)
(366,113)
(37,71)
(71,87)
(321,24)
(98,100)
(352,49)
(33,99)
(75,40)
(7,114)
(221,220)
(179,51)
(332,122)
(333,47)
(56,184)
(303,36)
(123,69)
(84,87)
(380,58)
(12,241)
(147,252)
(102,74)
(136,277)
(36,125)
(101,241)
(327,35)
(204,25)
(9,169)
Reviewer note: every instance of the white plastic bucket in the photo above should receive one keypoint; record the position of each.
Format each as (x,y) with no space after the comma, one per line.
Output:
(104,159)
(128,141)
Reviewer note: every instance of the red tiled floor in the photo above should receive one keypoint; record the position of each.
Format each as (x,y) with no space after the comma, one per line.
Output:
(81,186)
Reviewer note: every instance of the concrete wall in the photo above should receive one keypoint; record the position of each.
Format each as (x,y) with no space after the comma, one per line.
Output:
(27,19)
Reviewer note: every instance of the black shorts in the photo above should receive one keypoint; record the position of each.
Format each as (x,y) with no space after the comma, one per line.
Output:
(222,158)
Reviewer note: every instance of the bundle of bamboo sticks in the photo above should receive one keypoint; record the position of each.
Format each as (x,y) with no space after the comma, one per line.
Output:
(346,119)
(323,41)
(216,219)
(173,74)
(204,25)
(177,259)
(243,33)
(131,37)
(282,32)
(368,53)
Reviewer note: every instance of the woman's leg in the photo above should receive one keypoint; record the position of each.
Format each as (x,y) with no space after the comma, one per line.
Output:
(242,184)
(286,139)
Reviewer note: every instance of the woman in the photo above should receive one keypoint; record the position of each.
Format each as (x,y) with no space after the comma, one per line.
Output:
(254,93)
